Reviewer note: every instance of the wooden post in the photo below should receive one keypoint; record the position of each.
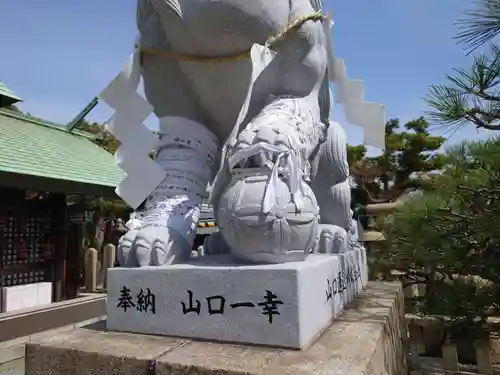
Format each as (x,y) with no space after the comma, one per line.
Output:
(421,290)
(483,356)
(90,270)
(380,208)
(108,261)
(410,291)
(417,338)
(59,226)
(450,356)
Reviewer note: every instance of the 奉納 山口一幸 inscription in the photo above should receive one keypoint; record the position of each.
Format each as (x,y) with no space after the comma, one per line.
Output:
(216,304)
(145,301)
(343,280)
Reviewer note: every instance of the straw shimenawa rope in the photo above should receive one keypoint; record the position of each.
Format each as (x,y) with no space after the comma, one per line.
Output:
(316,16)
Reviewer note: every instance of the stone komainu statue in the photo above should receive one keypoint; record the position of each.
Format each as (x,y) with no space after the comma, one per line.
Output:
(241,90)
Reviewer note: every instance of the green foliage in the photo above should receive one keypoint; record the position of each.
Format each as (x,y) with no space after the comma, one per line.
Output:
(105,140)
(449,237)
(409,157)
(480,25)
(93,231)
(355,154)
(470,95)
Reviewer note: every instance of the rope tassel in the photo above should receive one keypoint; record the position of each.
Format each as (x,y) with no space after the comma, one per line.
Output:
(290,170)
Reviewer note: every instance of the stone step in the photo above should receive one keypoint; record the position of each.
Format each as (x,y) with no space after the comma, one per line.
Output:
(367,338)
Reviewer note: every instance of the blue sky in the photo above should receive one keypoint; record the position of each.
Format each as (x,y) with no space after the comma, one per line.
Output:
(59,54)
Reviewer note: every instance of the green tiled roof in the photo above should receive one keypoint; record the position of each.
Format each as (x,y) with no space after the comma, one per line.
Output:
(9,96)
(34,147)
(5,91)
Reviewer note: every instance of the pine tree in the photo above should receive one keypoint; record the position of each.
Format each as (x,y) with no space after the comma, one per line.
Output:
(471,96)
(405,165)
(448,238)
(479,26)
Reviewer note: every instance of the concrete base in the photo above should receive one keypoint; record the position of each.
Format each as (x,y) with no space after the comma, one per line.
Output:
(26,296)
(215,298)
(13,350)
(368,338)
(18,325)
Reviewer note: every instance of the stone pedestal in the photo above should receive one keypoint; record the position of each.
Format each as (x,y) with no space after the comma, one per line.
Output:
(214,298)
(368,338)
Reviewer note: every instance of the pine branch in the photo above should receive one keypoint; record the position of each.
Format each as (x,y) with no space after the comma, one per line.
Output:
(484,75)
(473,116)
(450,105)
(469,95)
(479,26)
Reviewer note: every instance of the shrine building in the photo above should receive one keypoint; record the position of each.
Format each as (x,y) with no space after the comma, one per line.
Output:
(41,163)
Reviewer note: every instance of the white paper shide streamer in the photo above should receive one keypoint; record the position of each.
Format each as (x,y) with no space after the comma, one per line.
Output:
(368,115)
(131,109)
